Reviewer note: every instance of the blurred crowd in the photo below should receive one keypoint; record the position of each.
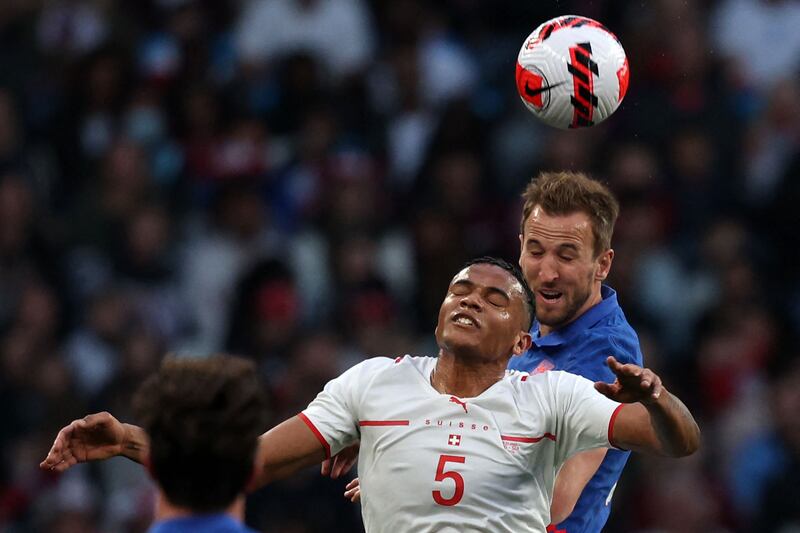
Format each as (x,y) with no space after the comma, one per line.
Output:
(297,181)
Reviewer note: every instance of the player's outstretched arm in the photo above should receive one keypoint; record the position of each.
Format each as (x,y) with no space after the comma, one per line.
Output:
(283,450)
(95,437)
(655,420)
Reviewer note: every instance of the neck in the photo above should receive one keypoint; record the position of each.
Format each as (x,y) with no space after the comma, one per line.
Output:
(594,298)
(465,379)
(165,510)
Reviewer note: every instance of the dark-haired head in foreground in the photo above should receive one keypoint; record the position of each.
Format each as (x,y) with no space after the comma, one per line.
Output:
(514,270)
(485,316)
(203,418)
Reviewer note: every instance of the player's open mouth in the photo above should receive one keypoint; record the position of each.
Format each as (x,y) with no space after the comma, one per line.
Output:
(465,320)
(550,296)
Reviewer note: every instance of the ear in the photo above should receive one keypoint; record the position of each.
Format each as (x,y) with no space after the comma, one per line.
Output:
(604,264)
(522,343)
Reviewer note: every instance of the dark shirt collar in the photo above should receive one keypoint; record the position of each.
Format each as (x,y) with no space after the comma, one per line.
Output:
(588,319)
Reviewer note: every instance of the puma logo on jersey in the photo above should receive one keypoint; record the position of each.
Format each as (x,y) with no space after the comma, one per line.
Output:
(453,399)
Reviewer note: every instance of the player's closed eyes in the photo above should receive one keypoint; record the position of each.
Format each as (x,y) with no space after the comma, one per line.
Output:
(534,247)
(460,289)
(497,300)
(494,296)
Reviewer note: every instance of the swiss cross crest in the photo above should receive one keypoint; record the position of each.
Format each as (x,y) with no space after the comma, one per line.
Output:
(545,366)
(454,440)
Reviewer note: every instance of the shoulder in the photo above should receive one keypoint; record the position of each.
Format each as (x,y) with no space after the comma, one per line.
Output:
(365,370)
(545,383)
(588,356)
(549,393)
(381,364)
(378,364)
(621,342)
(559,378)
(617,333)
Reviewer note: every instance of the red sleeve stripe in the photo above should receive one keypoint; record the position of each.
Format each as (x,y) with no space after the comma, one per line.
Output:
(611,422)
(525,377)
(528,439)
(317,434)
(383,422)
(398,359)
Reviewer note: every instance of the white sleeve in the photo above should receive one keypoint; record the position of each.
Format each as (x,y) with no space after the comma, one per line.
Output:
(333,415)
(584,417)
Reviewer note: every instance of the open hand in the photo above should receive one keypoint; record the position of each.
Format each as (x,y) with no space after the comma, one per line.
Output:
(633,383)
(93,437)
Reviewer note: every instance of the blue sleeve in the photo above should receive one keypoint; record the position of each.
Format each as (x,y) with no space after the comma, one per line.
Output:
(589,359)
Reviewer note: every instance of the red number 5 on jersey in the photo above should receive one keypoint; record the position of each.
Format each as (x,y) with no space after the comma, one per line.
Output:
(441,475)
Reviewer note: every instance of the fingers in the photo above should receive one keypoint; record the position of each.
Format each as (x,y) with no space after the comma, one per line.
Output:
(353,492)
(340,463)
(655,391)
(354,495)
(57,452)
(343,463)
(627,370)
(633,384)
(338,467)
(335,466)
(94,421)
(613,364)
(650,384)
(609,390)
(58,463)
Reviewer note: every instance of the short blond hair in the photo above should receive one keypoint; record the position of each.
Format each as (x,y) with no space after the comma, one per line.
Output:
(564,193)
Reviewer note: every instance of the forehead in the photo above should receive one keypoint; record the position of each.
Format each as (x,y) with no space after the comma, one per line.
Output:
(488,275)
(575,227)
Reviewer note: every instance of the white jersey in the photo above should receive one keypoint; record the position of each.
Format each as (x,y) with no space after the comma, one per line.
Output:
(435,462)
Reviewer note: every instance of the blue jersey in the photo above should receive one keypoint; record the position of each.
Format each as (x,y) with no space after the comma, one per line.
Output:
(582,347)
(212,523)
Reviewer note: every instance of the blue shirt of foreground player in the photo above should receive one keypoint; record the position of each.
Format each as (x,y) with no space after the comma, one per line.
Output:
(213,523)
(581,347)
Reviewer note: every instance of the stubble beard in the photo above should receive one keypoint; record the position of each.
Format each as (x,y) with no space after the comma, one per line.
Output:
(572,306)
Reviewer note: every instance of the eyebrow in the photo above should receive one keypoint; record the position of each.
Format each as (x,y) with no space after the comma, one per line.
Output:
(501,292)
(495,290)
(532,241)
(462,282)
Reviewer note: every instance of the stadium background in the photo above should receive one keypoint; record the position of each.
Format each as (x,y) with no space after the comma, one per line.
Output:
(297,180)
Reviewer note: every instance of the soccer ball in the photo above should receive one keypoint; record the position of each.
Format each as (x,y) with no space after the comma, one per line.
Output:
(572,72)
